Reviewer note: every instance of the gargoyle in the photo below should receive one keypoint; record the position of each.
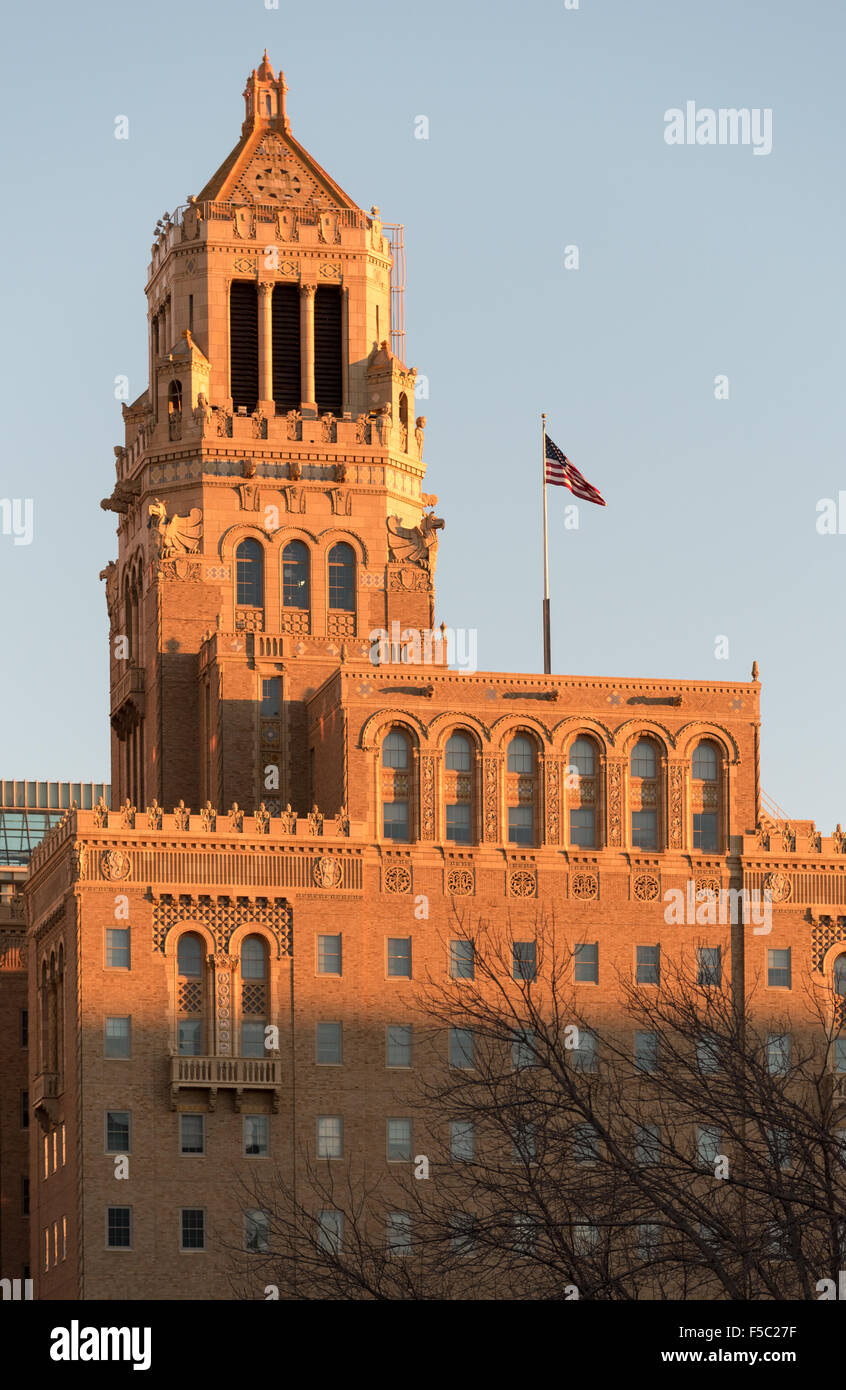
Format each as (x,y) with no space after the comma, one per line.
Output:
(181,535)
(412,544)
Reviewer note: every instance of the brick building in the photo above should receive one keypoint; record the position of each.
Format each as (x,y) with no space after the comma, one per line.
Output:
(288,789)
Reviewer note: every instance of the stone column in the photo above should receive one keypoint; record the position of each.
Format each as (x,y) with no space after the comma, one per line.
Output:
(265,347)
(308,402)
(224,967)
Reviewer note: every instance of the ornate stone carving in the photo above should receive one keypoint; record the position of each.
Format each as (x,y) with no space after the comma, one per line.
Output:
(293,423)
(250,496)
(262,820)
(522,883)
(101,815)
(707,888)
(460,883)
(788,838)
(762,835)
(419,427)
(327,872)
(615,804)
(778,886)
(839,839)
(115,864)
(235,818)
(289,821)
(397,879)
(154,816)
(181,535)
(584,885)
(413,544)
(814,842)
(342,822)
(315,821)
(408,580)
(78,863)
(208,817)
(223,917)
(224,965)
(127,815)
(427,797)
(181,816)
(362,430)
(646,888)
(490,800)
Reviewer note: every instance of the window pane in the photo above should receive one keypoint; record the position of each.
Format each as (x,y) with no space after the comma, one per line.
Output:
(329,1043)
(190,1037)
(648,965)
(256,1134)
(342,578)
(521,755)
(399,956)
(329,955)
(395,749)
(585,1055)
(249,565)
(524,960)
(189,956)
(778,1053)
(461,1048)
(840,975)
(583,827)
(708,1142)
(647,1144)
(191,1134)
(395,820)
(709,965)
(644,830)
(462,1141)
(705,763)
(646,1050)
(398,1132)
(523,1049)
(582,757)
(458,753)
(462,960)
(193,1228)
(253,958)
(708,1053)
(643,759)
(705,830)
(331,1230)
(330,1136)
(521,825)
(117,1037)
(398,1233)
(458,822)
(256,1231)
(117,1131)
(295,576)
(117,947)
(778,969)
(119,1227)
(271,697)
(398,1045)
(252,1038)
(586,962)
(585,1144)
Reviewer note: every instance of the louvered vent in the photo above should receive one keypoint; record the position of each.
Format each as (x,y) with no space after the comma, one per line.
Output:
(286,347)
(327,349)
(243,344)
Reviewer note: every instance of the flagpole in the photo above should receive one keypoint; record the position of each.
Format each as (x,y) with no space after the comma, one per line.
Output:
(547,652)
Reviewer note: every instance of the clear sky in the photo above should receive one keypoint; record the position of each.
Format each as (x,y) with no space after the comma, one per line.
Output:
(546,130)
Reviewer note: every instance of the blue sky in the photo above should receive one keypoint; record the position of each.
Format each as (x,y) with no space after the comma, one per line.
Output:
(546,130)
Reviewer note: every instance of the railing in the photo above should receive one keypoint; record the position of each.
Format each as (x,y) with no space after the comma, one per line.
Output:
(225,1071)
(772,810)
(130,683)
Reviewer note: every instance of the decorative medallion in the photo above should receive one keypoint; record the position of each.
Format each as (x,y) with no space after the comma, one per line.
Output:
(397,879)
(521,883)
(646,888)
(584,886)
(707,888)
(114,863)
(459,883)
(327,872)
(778,886)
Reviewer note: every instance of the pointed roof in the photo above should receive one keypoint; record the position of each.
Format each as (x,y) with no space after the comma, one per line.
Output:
(268,165)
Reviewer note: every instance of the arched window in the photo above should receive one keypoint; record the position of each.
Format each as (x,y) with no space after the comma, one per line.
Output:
(396,788)
(522,790)
(191,995)
(458,789)
(342,577)
(249,571)
(253,996)
(705,763)
(840,976)
(174,398)
(582,798)
(295,576)
(643,794)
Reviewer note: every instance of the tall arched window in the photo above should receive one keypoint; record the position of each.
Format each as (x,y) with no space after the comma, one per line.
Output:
(644,794)
(840,976)
(582,798)
(342,577)
(191,995)
(458,789)
(253,996)
(705,769)
(396,786)
(522,790)
(295,576)
(249,574)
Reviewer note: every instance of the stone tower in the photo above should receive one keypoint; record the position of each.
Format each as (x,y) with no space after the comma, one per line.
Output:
(269,491)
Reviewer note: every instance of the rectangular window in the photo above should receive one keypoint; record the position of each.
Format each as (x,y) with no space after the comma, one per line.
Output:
(193,1228)
(398,1233)
(118,1228)
(646,1050)
(63,1146)
(46,1167)
(582,827)
(46,1247)
(461,1050)
(709,965)
(118,1036)
(117,1132)
(648,1240)
(708,1143)
(257,1134)
(522,1048)
(521,825)
(395,820)
(24,1109)
(55,1242)
(585,1144)
(329,1044)
(458,822)
(647,1145)
(840,1054)
(585,1055)
(398,1135)
(328,349)
(192,1134)
(64,1237)
(462,960)
(708,1053)
(330,1136)
(586,962)
(271,697)
(524,960)
(399,957)
(463,1226)
(330,1234)
(190,1037)
(648,965)
(705,830)
(778,1053)
(778,969)
(525,1143)
(462,1141)
(398,1044)
(256,1232)
(329,955)
(644,830)
(24,1027)
(285,340)
(252,1038)
(117,948)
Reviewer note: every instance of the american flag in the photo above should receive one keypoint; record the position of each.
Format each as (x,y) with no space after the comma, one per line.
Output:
(561,471)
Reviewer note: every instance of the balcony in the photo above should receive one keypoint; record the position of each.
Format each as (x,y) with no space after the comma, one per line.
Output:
(236,1074)
(45,1098)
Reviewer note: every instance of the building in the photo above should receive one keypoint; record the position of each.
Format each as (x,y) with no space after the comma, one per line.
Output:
(297,810)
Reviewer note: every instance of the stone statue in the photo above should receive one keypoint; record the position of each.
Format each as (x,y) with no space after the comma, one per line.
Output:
(315,821)
(419,427)
(262,819)
(413,544)
(289,821)
(127,815)
(154,815)
(181,535)
(101,814)
(208,817)
(181,816)
(236,817)
(342,822)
